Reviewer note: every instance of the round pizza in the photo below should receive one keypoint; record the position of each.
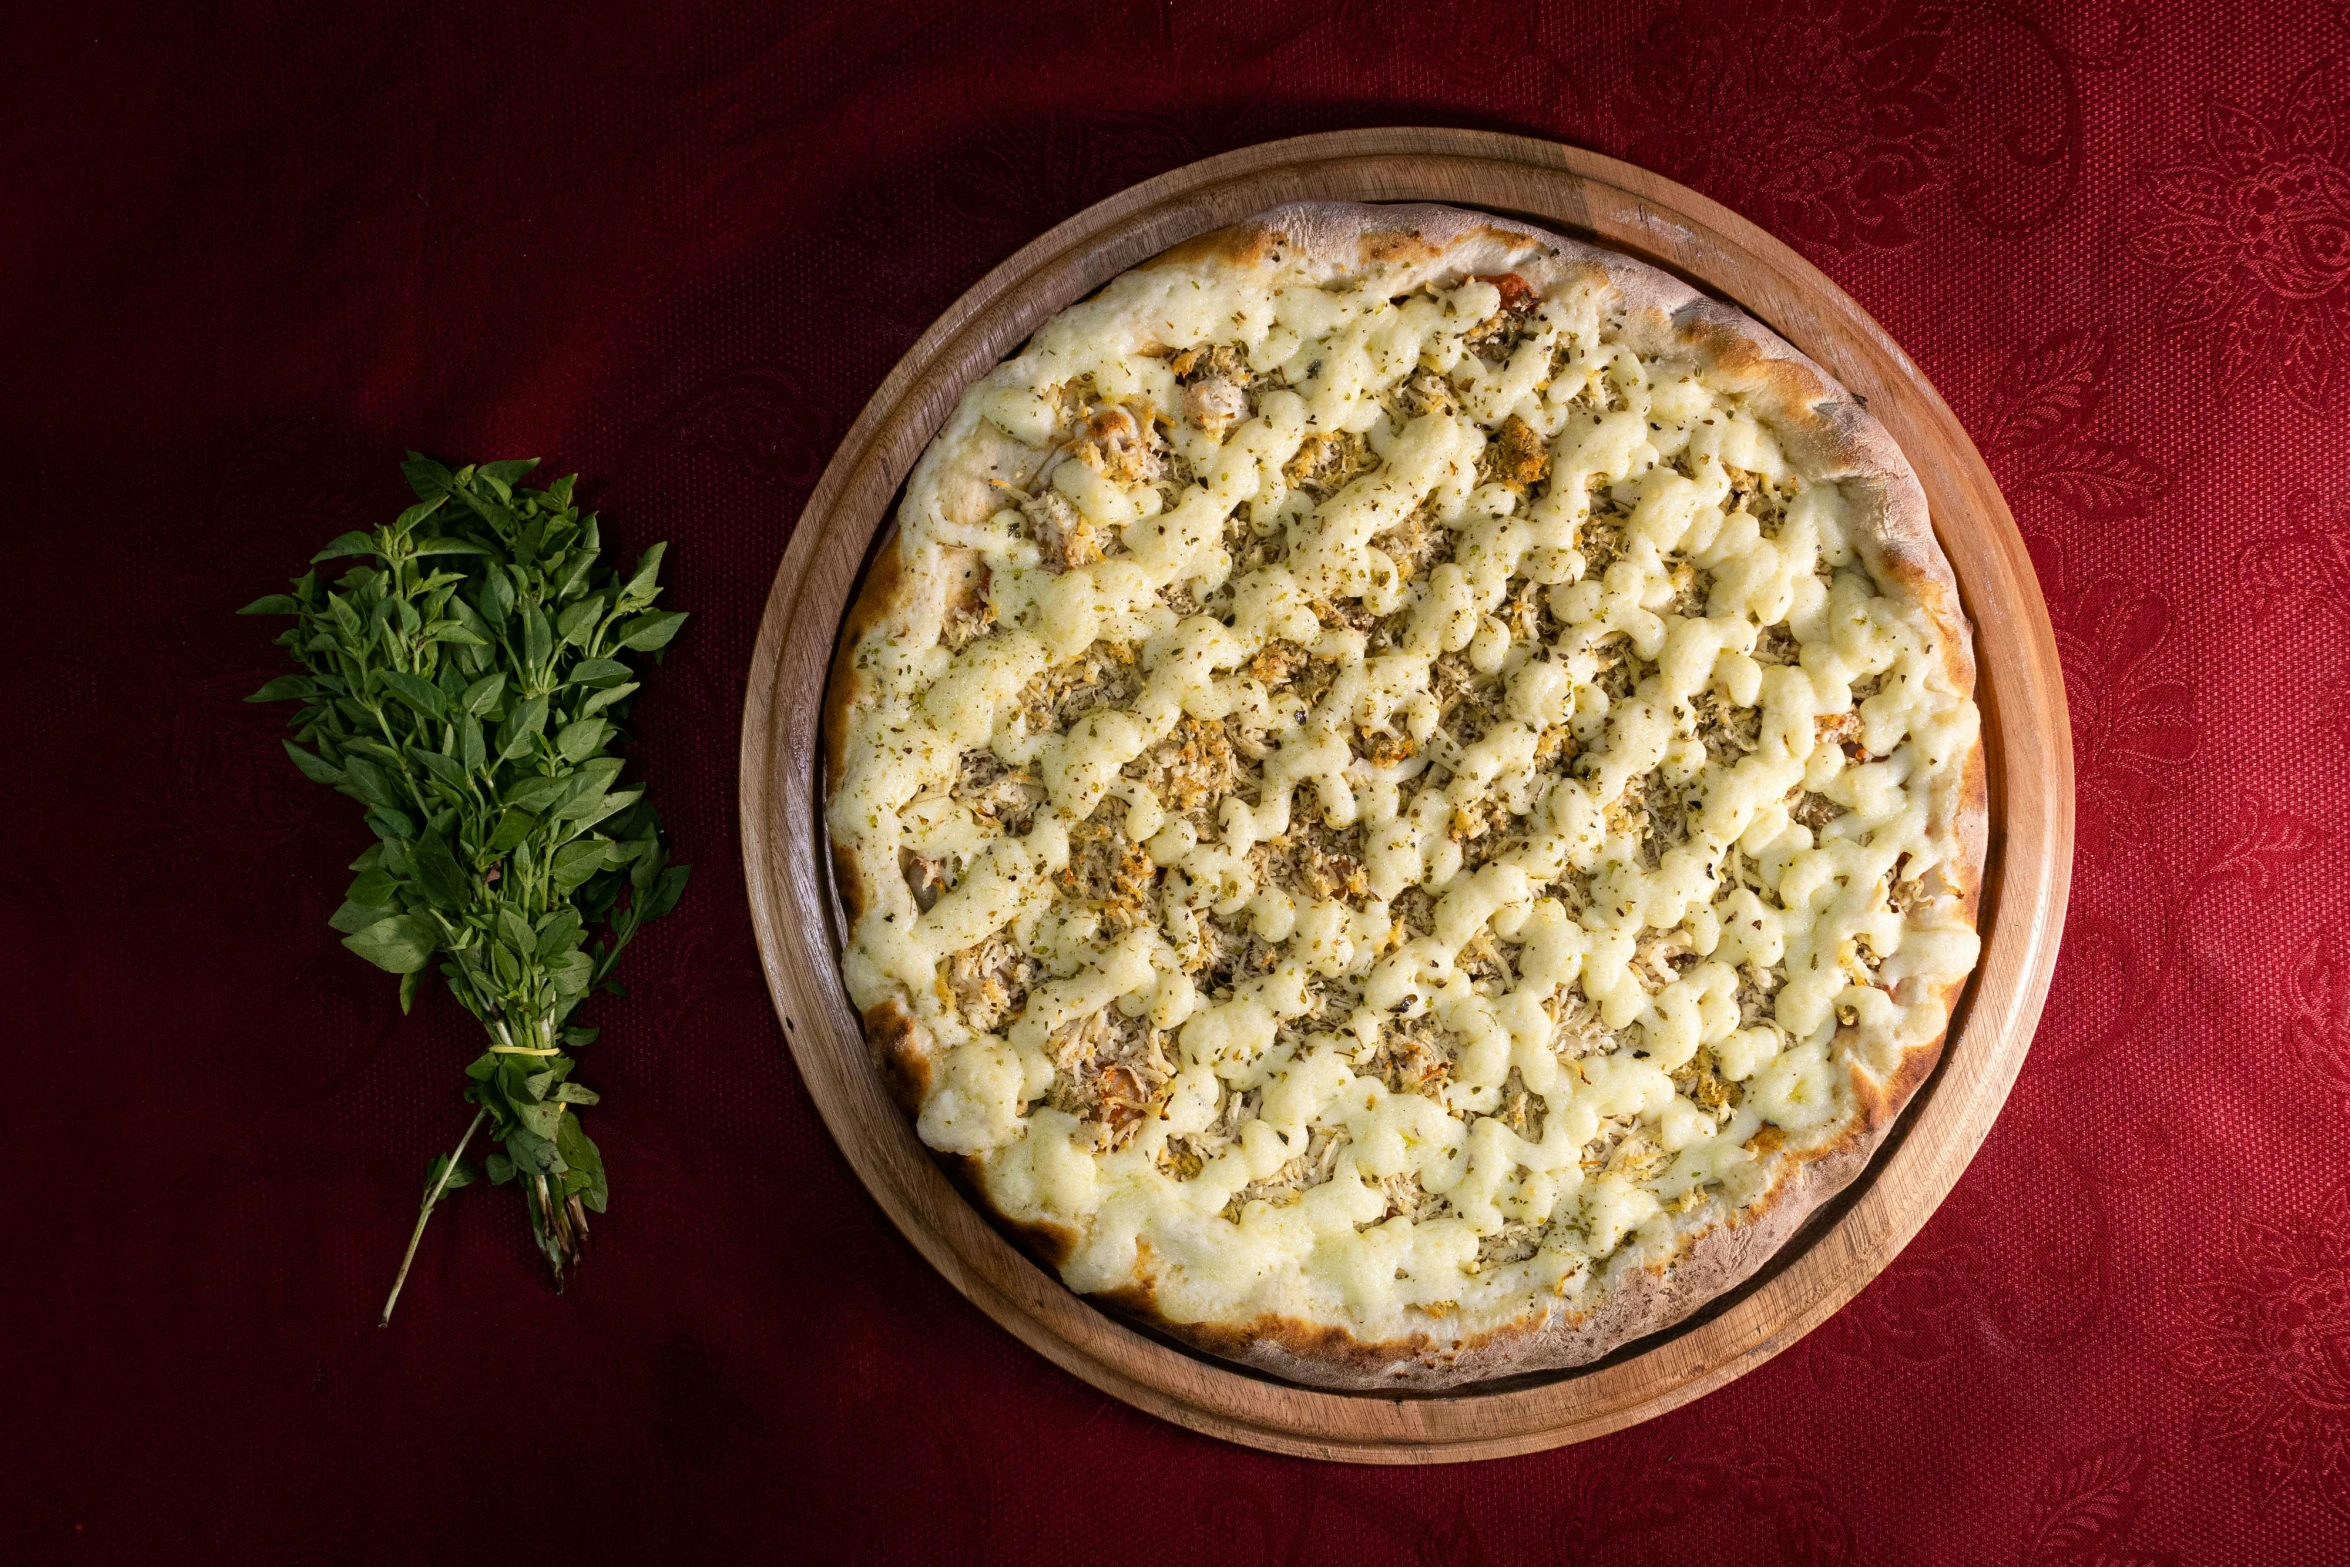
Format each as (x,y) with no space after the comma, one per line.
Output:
(1407,794)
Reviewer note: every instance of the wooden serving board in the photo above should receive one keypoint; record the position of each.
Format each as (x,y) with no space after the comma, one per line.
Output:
(798,918)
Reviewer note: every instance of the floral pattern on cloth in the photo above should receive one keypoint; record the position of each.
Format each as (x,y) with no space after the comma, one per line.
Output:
(1837,126)
(2255,219)
(2266,1339)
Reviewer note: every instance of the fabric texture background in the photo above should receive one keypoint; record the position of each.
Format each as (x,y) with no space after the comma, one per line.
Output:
(251,253)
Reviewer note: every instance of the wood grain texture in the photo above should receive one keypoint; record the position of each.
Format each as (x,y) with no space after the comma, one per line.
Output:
(2028,752)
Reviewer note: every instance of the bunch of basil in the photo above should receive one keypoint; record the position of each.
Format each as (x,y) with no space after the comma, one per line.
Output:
(464,683)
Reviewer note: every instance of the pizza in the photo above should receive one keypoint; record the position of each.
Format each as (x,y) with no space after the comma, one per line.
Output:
(1407,795)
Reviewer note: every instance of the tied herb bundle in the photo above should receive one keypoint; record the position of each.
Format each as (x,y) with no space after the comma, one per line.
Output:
(463,683)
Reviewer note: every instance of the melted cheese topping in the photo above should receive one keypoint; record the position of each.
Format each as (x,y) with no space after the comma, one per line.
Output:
(1400,799)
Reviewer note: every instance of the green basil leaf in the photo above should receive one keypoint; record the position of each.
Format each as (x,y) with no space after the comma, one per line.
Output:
(324,772)
(648,632)
(665,893)
(577,622)
(461,1174)
(576,742)
(388,823)
(483,694)
(372,784)
(463,610)
(438,874)
(448,769)
(560,929)
(598,672)
(419,694)
(572,973)
(348,544)
(376,886)
(427,478)
(539,1118)
(588,813)
(371,748)
(424,508)
(575,575)
(401,944)
(576,862)
(606,697)
(538,792)
(497,599)
(537,640)
(521,727)
(643,585)
(488,502)
(285,688)
(506,471)
(581,1153)
(413,661)
(596,774)
(585,795)
(356,915)
(515,931)
(532,1153)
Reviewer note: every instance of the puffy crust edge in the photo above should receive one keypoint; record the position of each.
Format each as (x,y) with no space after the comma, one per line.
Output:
(884,592)
(901,1046)
(1837,436)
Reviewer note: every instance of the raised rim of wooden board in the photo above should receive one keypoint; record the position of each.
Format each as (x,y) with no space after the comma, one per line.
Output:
(797,916)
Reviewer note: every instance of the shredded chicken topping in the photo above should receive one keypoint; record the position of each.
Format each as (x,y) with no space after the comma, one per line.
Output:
(1414,787)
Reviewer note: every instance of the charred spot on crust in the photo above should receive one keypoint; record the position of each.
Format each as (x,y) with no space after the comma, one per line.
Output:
(898,1049)
(1050,1244)
(1307,1341)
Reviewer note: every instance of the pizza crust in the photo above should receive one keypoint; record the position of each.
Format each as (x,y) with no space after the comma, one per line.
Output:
(1813,416)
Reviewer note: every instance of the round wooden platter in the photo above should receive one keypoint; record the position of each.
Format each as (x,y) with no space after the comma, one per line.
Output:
(798,918)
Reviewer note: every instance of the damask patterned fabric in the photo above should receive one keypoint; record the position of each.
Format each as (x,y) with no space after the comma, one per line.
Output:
(249,254)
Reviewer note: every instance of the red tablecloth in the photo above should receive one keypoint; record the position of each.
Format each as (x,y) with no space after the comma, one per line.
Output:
(250,253)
